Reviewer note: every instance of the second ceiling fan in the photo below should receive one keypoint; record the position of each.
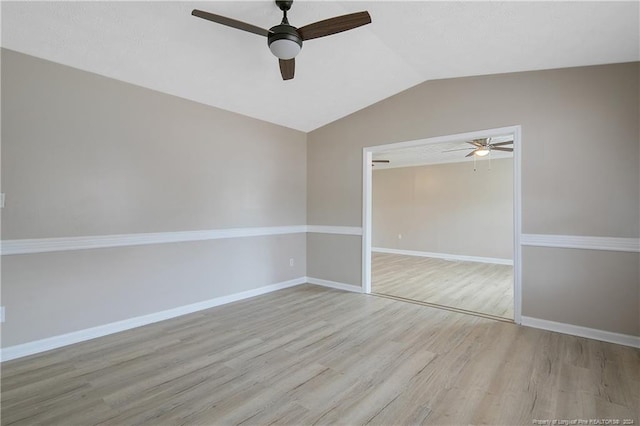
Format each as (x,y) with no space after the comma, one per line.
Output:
(285,40)
(482,147)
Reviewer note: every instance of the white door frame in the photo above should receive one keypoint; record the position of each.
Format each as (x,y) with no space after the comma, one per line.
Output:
(517,202)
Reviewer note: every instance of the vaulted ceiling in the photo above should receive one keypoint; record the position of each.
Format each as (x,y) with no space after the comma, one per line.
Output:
(159,45)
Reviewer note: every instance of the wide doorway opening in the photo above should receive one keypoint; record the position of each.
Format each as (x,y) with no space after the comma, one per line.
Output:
(442,222)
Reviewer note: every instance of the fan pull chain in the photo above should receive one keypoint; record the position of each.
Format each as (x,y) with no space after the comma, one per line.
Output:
(474,163)
(489,160)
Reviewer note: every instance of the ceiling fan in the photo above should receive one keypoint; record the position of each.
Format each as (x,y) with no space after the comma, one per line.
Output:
(482,147)
(285,40)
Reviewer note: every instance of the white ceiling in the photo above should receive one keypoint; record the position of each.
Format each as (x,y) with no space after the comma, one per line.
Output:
(161,46)
(437,153)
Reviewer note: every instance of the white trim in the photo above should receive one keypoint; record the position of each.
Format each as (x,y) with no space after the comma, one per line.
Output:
(342,230)
(489,133)
(30,348)
(398,165)
(576,330)
(517,224)
(582,242)
(334,284)
(517,203)
(445,256)
(367,221)
(42,245)
(45,245)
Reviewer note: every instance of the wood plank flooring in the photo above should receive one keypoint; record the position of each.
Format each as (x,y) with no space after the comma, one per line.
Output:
(472,286)
(310,355)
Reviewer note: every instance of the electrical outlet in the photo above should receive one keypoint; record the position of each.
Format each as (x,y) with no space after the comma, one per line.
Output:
(1,313)
(291,262)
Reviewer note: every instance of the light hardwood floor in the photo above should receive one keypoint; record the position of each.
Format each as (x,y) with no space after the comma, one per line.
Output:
(310,355)
(471,286)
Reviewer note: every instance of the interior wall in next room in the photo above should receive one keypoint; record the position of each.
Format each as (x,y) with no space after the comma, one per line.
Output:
(445,208)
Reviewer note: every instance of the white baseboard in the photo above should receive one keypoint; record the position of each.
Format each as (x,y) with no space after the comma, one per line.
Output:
(576,330)
(334,284)
(30,348)
(444,256)
(38,346)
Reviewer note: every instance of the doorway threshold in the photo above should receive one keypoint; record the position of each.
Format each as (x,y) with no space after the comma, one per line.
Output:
(446,308)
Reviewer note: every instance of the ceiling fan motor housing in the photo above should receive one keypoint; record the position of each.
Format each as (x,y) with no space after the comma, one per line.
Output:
(284,41)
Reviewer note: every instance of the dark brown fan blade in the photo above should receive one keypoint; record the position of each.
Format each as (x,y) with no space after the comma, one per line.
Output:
(475,143)
(287,68)
(230,22)
(497,148)
(334,25)
(471,153)
(502,143)
(380,161)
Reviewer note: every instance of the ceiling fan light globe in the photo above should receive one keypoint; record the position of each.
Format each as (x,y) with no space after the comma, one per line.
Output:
(285,49)
(482,152)
(284,41)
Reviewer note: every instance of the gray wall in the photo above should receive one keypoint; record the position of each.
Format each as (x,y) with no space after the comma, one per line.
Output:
(445,208)
(86,155)
(580,175)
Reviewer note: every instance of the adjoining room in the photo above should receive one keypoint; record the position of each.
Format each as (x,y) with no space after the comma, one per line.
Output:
(442,225)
